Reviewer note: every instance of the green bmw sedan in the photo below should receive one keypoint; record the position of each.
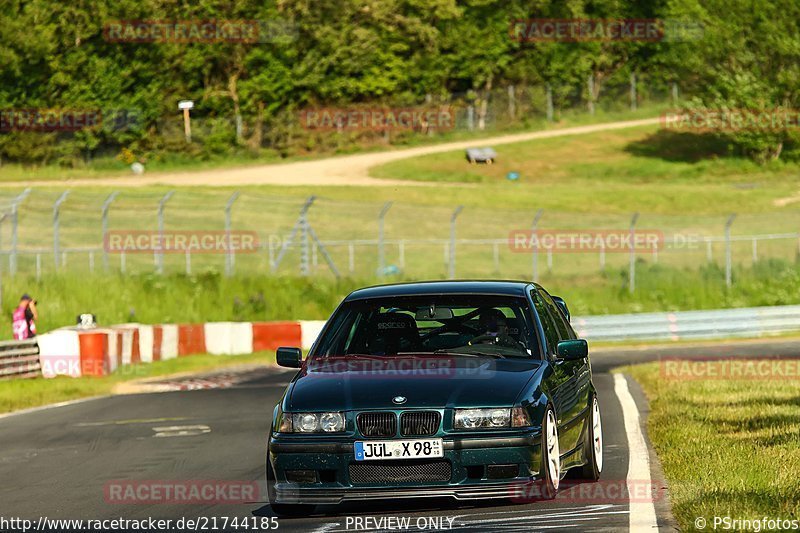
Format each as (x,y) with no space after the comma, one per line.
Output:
(462,389)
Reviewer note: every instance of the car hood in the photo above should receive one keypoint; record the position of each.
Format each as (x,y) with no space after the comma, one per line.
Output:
(354,383)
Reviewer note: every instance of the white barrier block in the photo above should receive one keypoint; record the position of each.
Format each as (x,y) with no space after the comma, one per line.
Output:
(60,353)
(228,338)
(146,344)
(169,341)
(113,350)
(309,331)
(241,338)
(218,337)
(127,346)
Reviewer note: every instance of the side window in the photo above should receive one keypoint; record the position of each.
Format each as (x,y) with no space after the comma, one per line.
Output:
(564,330)
(550,331)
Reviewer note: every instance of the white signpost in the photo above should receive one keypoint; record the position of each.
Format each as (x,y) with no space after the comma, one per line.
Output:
(186,105)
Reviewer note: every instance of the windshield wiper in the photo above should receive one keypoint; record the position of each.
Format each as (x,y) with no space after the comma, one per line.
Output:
(469,354)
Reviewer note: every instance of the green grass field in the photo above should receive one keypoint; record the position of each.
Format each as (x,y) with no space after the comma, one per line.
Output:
(24,393)
(640,169)
(728,448)
(209,296)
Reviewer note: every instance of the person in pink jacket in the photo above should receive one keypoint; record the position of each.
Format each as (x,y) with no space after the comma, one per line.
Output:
(24,318)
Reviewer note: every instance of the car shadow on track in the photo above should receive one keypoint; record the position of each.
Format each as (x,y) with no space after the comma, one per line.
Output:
(421,506)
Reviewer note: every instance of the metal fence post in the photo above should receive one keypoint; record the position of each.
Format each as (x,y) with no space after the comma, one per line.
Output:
(14,223)
(535,251)
(633,91)
(590,88)
(56,226)
(229,256)
(451,271)
(549,102)
(305,250)
(160,248)
(381,249)
(104,223)
(728,265)
(632,268)
(351,257)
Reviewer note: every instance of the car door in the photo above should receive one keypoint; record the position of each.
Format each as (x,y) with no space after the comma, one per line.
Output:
(563,384)
(579,382)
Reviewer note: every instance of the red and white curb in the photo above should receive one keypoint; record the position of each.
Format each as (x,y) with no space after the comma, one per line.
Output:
(97,352)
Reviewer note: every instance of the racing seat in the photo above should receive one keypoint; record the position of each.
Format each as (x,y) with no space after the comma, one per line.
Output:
(391,333)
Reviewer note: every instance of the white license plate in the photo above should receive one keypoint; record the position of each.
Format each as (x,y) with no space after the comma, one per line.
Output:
(398,449)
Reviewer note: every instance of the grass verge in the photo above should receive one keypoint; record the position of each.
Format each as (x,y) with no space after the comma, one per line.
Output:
(26,393)
(727,447)
(210,297)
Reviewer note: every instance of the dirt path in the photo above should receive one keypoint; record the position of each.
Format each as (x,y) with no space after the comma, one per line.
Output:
(343,170)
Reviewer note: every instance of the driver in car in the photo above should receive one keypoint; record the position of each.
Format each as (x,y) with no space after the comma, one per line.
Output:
(495,327)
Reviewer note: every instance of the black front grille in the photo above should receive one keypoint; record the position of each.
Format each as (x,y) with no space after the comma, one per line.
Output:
(377,424)
(419,423)
(400,471)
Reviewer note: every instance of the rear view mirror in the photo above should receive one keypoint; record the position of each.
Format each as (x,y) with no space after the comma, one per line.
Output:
(433,313)
(573,350)
(562,305)
(289,357)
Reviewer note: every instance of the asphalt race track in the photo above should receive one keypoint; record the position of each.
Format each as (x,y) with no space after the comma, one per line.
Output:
(58,462)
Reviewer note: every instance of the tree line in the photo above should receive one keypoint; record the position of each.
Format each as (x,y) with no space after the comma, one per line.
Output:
(251,79)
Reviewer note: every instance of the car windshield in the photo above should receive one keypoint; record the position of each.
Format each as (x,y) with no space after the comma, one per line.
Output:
(466,325)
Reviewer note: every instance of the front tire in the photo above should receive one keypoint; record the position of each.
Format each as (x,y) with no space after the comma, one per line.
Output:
(593,444)
(551,456)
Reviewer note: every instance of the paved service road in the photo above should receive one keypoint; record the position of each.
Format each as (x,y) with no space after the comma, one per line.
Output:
(59,462)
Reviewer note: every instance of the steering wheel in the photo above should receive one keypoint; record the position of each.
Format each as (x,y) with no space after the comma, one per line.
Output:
(504,340)
(460,327)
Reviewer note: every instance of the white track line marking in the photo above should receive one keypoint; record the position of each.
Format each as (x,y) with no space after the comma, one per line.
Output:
(642,514)
(52,406)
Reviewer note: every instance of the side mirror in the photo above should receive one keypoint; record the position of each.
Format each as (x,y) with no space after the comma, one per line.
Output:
(562,305)
(573,350)
(289,357)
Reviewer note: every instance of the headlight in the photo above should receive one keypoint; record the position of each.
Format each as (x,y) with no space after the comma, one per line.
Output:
(491,418)
(312,423)
(482,418)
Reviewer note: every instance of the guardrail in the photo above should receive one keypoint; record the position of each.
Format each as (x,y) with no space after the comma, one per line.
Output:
(19,359)
(714,324)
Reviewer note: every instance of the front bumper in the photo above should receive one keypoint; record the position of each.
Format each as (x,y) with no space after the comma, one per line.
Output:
(469,459)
